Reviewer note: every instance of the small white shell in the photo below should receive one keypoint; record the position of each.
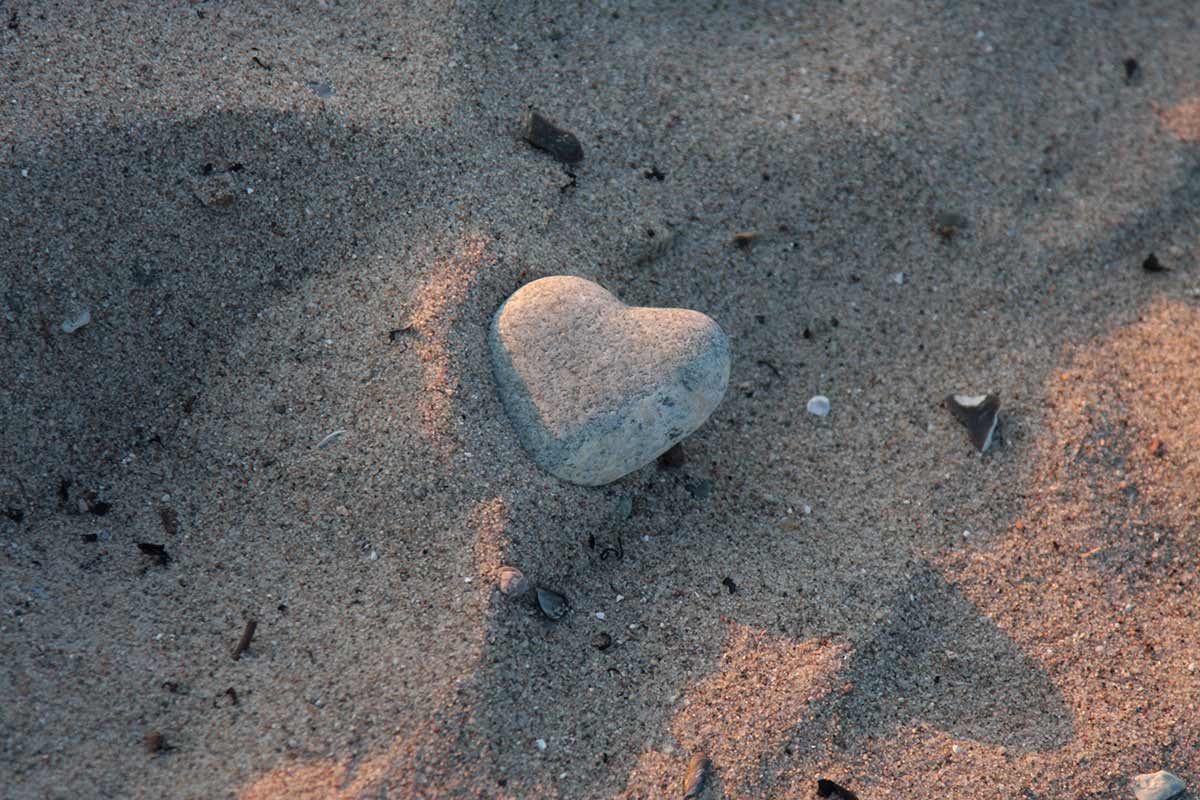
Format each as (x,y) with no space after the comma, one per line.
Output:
(818,405)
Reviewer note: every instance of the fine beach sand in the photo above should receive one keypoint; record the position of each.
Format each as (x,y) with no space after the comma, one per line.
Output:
(250,198)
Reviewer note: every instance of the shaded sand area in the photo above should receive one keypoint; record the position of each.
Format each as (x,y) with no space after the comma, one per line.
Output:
(292,219)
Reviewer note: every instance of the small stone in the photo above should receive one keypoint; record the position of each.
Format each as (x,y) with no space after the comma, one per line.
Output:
(545,135)
(948,223)
(512,582)
(601,641)
(600,616)
(744,239)
(834,791)
(596,389)
(1157,448)
(72,325)
(696,776)
(898,278)
(1160,785)
(540,744)
(818,405)
(552,604)
(154,743)
(1152,264)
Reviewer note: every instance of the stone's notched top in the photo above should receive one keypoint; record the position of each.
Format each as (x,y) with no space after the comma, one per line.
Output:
(545,135)
(597,389)
(978,414)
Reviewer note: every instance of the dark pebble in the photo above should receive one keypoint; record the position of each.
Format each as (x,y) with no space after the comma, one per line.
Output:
(744,239)
(156,551)
(730,585)
(552,604)
(545,135)
(601,641)
(1131,69)
(1152,264)
(154,743)
(170,520)
(827,788)
(15,514)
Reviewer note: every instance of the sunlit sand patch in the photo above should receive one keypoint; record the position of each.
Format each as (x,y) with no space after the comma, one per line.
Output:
(432,318)
(1096,579)
(744,715)
(432,762)
(441,754)
(323,780)
(1183,120)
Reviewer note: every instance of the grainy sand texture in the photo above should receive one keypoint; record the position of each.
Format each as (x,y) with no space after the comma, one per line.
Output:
(291,223)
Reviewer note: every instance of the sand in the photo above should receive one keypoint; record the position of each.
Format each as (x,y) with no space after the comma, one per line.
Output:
(288,220)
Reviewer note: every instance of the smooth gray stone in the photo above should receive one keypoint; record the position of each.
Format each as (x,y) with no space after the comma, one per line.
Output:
(596,388)
(1160,785)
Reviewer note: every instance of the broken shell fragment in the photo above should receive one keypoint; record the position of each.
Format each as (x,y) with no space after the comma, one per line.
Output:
(696,776)
(978,414)
(83,318)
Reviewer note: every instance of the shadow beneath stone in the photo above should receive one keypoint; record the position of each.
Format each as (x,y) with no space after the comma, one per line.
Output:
(938,662)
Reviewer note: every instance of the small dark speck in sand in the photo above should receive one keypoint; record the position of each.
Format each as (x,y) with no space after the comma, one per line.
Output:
(155,743)
(1152,264)
(827,788)
(730,585)
(155,551)
(548,137)
(1131,69)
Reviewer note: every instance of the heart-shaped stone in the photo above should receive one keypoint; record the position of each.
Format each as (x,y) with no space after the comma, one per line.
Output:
(596,388)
